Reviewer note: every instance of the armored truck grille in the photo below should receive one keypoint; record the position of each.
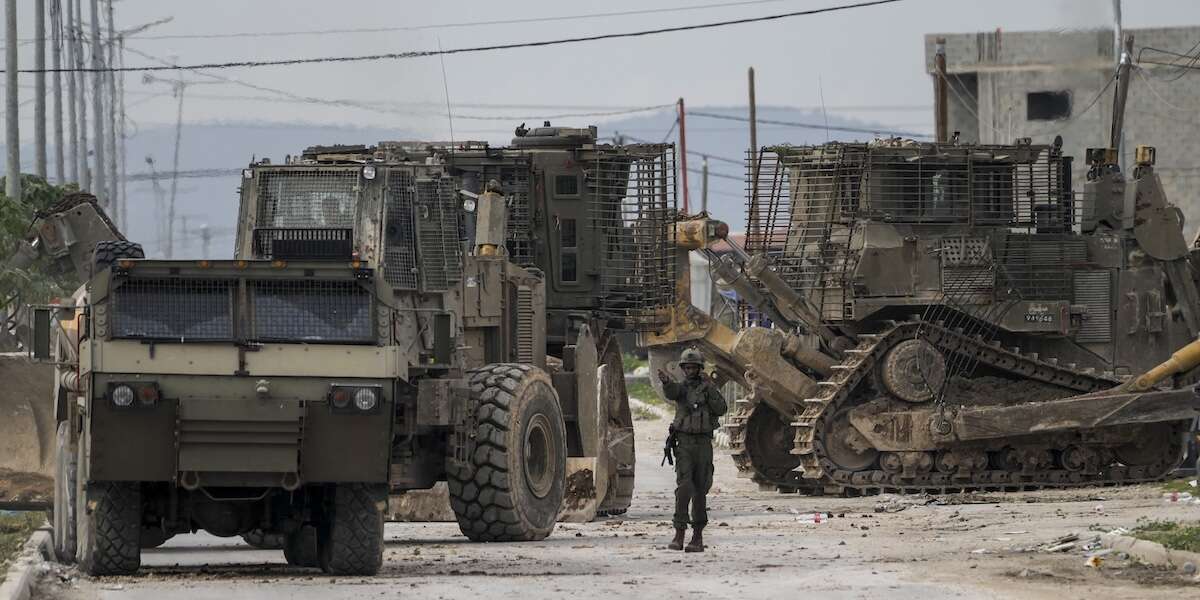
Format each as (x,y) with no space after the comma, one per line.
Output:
(174,309)
(304,243)
(310,311)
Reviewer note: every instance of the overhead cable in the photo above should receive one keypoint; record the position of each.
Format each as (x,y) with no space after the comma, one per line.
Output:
(468,50)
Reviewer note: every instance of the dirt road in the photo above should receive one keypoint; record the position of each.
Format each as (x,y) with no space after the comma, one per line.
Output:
(761,544)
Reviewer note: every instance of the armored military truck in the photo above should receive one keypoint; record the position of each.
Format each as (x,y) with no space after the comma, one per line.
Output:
(372,335)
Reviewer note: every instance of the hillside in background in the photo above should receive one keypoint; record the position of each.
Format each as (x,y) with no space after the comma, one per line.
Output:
(210,199)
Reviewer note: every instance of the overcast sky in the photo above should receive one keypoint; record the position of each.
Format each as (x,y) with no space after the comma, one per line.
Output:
(862,57)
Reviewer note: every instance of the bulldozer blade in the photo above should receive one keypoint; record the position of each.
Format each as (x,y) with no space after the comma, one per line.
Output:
(1077,412)
(26,432)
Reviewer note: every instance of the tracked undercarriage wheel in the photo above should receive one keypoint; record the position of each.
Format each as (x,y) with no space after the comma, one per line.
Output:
(846,447)
(109,538)
(913,371)
(63,516)
(351,540)
(1156,443)
(769,441)
(300,547)
(263,540)
(512,487)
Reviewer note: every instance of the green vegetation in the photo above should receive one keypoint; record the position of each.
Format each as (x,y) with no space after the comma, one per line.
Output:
(631,362)
(1181,485)
(642,390)
(1173,535)
(14,530)
(33,284)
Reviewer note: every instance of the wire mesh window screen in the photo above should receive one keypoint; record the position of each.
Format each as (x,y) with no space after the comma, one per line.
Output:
(307,198)
(634,191)
(174,309)
(313,311)
(439,231)
(400,246)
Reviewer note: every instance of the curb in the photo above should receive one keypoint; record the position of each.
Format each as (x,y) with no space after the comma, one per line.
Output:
(21,576)
(1151,553)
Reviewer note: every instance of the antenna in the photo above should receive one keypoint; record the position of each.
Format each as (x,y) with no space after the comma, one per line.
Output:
(821,93)
(446,89)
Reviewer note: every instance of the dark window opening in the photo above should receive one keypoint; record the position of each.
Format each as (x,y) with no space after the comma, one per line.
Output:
(566,185)
(568,246)
(1047,106)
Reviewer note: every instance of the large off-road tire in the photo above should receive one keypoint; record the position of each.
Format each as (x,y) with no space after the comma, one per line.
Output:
(351,541)
(109,252)
(63,515)
(300,547)
(110,536)
(512,488)
(263,540)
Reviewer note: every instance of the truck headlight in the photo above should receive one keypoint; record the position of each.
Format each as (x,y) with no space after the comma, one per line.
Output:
(366,399)
(354,398)
(469,205)
(122,396)
(133,394)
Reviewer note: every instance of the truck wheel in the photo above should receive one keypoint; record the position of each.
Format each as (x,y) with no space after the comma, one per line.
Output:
(153,537)
(511,489)
(109,252)
(352,543)
(110,537)
(64,495)
(263,540)
(300,547)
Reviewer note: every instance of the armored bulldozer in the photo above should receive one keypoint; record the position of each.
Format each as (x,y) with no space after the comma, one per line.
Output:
(937,316)
(375,333)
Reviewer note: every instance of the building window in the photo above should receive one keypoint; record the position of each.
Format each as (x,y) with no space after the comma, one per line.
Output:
(1047,106)
(566,185)
(568,243)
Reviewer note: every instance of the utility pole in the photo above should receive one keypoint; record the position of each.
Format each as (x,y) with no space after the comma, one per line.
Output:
(39,88)
(12,137)
(753,205)
(111,140)
(205,238)
(179,86)
(81,150)
(60,175)
(100,189)
(942,126)
(683,154)
(69,42)
(121,126)
(158,203)
(704,185)
(183,229)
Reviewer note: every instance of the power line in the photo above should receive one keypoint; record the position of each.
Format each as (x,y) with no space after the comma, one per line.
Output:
(468,50)
(427,27)
(810,125)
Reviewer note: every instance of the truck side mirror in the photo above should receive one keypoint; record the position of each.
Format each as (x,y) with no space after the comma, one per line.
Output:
(41,334)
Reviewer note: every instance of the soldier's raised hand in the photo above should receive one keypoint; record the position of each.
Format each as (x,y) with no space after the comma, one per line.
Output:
(663,377)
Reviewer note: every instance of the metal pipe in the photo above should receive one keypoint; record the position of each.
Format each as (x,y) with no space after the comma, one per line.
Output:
(942,127)
(39,88)
(60,174)
(12,136)
(1120,96)
(683,154)
(100,190)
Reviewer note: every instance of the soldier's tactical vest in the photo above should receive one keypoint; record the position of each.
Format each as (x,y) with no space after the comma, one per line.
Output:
(693,415)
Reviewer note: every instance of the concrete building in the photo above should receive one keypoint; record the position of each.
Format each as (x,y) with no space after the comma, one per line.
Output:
(1039,84)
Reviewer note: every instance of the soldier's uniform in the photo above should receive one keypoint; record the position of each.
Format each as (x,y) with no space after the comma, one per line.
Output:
(698,406)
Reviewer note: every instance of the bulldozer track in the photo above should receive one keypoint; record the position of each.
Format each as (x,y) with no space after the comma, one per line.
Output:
(818,474)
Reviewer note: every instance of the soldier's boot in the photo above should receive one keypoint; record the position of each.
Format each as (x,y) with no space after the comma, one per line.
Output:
(677,543)
(697,543)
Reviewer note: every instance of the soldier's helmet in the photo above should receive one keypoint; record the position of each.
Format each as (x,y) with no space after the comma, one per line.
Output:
(691,356)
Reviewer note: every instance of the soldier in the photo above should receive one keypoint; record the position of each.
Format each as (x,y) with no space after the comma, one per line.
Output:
(698,405)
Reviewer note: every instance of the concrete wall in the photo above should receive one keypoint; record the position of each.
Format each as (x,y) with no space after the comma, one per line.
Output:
(1162,111)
